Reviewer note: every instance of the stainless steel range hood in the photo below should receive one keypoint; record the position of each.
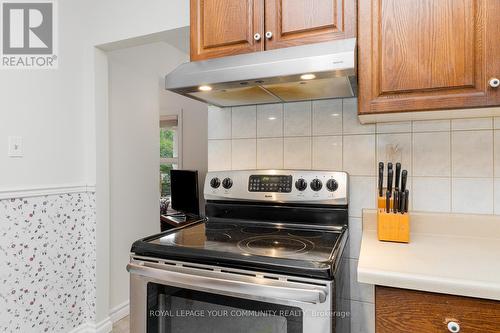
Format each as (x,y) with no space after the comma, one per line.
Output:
(309,72)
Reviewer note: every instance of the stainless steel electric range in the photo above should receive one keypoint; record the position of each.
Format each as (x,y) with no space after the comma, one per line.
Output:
(269,257)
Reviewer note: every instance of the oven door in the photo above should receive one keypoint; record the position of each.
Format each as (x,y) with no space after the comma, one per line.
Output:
(175,297)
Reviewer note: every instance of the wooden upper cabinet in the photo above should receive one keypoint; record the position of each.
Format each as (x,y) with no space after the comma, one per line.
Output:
(225,27)
(228,27)
(299,22)
(427,54)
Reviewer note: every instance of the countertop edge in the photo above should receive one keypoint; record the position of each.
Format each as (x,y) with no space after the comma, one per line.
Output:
(429,283)
(372,268)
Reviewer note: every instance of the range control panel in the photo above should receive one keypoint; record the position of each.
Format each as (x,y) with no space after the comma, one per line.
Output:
(270,183)
(327,187)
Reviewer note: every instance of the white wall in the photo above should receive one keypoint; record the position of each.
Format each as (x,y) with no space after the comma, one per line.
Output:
(117,23)
(62,114)
(136,96)
(45,108)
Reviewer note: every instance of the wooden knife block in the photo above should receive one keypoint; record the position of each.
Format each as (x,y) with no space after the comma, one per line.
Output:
(393,227)
(381,203)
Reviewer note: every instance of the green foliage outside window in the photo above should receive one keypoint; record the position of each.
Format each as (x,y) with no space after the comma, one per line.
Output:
(166,143)
(166,151)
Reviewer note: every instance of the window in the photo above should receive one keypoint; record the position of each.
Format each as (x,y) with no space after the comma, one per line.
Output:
(169,151)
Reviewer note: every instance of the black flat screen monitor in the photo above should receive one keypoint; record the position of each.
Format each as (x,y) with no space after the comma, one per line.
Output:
(184,191)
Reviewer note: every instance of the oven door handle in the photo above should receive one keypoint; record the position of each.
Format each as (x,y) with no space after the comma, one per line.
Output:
(271,290)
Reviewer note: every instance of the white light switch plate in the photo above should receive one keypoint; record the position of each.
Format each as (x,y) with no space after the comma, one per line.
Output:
(16,146)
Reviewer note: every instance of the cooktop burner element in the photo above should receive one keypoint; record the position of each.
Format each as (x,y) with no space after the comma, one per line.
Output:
(272,246)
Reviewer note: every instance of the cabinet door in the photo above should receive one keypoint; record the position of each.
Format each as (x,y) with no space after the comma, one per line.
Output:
(408,311)
(226,27)
(427,54)
(299,22)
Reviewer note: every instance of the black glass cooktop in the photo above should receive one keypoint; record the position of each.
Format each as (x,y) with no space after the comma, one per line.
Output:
(270,247)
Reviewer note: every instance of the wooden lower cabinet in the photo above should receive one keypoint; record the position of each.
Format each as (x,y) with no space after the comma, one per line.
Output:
(401,310)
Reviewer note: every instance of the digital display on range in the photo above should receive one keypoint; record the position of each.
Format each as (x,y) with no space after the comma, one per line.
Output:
(261,183)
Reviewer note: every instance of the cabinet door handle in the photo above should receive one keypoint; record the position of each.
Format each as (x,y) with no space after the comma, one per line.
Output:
(269,35)
(256,36)
(494,82)
(453,327)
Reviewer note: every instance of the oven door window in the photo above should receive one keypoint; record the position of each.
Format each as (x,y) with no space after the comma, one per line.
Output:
(176,310)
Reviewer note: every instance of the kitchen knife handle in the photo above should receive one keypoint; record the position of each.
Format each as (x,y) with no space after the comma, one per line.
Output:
(395,203)
(390,175)
(407,196)
(403,201)
(380,179)
(398,174)
(388,201)
(404,178)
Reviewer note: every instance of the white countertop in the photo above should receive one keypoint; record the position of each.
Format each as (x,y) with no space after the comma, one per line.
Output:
(454,254)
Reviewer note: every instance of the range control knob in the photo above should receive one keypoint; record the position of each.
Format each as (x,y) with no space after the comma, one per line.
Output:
(332,185)
(316,185)
(301,184)
(215,182)
(227,183)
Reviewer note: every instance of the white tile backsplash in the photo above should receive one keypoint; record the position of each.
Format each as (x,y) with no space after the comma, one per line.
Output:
(432,154)
(219,155)
(472,153)
(351,124)
(395,148)
(270,120)
(496,122)
(362,194)
(496,153)
(432,194)
(395,127)
(431,126)
(297,153)
(244,154)
(270,153)
(360,291)
(327,153)
(327,117)
(355,230)
(298,120)
(471,124)
(359,155)
(244,122)
(445,163)
(496,203)
(219,120)
(472,195)
(362,317)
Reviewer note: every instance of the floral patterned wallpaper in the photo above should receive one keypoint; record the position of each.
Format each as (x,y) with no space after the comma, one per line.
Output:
(47,263)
